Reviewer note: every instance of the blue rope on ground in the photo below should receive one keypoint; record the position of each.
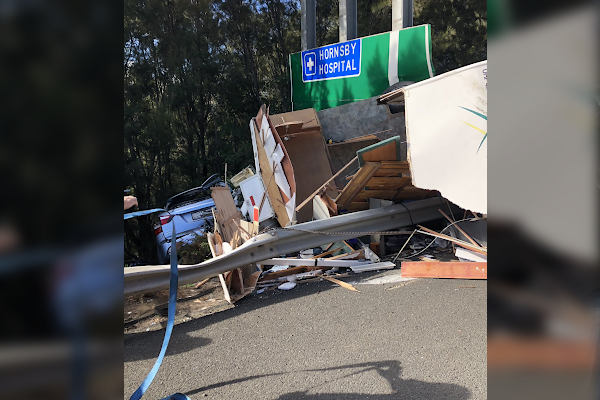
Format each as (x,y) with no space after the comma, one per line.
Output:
(171,319)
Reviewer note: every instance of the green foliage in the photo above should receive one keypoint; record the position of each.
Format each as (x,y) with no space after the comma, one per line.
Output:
(195,251)
(458,31)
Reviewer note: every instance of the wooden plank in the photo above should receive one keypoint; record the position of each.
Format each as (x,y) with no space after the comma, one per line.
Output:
(392,171)
(214,241)
(272,189)
(387,150)
(226,211)
(288,272)
(458,227)
(356,185)
(364,138)
(466,245)
(394,164)
(341,283)
(202,282)
(438,269)
(390,182)
(326,253)
(346,255)
(365,195)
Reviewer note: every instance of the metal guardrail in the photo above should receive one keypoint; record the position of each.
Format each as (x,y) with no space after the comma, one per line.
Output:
(283,241)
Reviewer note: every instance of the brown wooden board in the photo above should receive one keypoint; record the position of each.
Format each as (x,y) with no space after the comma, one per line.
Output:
(272,190)
(357,184)
(477,249)
(393,171)
(394,164)
(375,194)
(387,150)
(308,117)
(329,252)
(311,167)
(382,183)
(438,269)
(288,128)
(226,213)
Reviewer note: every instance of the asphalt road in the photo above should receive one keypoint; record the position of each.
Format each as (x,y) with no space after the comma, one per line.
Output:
(418,339)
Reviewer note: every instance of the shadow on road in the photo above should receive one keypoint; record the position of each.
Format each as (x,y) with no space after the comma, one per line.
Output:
(389,370)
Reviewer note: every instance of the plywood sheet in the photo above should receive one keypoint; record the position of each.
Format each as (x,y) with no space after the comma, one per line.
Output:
(226,213)
(387,182)
(438,269)
(308,153)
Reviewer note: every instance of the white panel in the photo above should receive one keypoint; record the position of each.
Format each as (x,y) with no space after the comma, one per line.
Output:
(449,152)
(289,207)
(253,190)
(254,149)
(281,180)
(278,154)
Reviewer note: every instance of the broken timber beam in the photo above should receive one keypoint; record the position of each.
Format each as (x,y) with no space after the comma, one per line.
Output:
(357,184)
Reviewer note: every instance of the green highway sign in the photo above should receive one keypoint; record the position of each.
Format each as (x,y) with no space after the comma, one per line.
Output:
(358,69)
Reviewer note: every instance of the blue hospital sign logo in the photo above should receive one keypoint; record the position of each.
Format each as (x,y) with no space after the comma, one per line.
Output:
(310,64)
(340,60)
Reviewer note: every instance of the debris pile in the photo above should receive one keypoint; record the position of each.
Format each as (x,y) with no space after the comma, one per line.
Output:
(307,201)
(296,180)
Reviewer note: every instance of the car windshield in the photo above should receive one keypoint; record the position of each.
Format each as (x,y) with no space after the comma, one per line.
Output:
(187,197)
(195,194)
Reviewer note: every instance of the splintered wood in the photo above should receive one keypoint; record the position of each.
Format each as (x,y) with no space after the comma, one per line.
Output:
(341,283)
